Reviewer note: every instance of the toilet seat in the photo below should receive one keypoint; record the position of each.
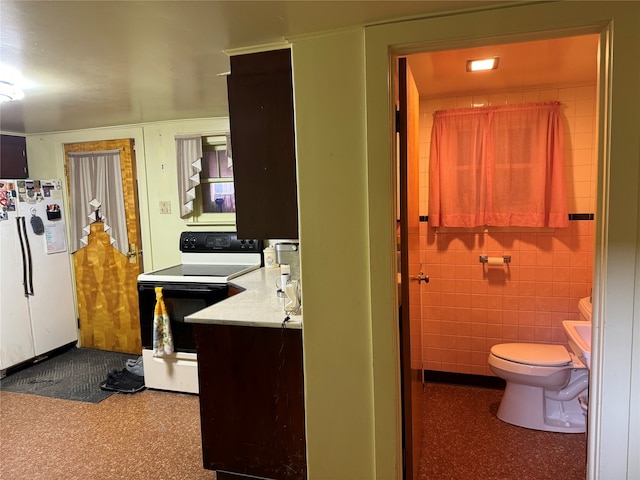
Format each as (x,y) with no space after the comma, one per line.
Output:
(532,354)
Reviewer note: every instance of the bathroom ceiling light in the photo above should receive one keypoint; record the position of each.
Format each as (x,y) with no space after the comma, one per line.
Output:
(9,91)
(482,64)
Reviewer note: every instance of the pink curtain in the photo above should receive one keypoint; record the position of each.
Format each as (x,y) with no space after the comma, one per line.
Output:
(498,166)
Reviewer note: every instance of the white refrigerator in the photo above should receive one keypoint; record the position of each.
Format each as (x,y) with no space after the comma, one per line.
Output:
(37,312)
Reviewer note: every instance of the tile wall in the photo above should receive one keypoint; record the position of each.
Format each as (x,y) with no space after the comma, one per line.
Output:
(467,307)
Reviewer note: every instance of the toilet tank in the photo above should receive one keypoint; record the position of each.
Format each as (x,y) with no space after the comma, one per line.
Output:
(584,307)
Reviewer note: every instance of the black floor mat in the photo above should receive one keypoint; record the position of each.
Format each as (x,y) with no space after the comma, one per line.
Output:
(75,374)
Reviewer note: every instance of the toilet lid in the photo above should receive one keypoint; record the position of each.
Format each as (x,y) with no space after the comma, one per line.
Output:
(532,354)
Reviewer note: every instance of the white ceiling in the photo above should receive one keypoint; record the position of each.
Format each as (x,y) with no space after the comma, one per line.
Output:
(101,63)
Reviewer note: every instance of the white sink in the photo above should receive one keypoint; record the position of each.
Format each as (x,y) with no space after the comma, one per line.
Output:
(579,335)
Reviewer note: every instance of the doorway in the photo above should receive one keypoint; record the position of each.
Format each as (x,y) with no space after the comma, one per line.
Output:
(463,313)
(106,279)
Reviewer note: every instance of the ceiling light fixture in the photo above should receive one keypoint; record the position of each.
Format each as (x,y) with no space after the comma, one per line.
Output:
(9,91)
(11,84)
(482,64)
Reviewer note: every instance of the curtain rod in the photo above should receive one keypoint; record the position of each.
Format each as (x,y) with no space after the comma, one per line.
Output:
(97,152)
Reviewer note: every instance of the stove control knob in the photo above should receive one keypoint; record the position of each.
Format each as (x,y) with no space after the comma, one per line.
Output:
(189,243)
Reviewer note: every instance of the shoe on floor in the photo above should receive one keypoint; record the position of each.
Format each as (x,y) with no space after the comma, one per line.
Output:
(123,381)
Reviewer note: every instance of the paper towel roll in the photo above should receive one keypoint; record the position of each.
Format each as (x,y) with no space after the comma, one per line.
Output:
(495,261)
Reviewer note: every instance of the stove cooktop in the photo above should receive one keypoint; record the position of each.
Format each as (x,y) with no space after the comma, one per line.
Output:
(197,273)
(200,270)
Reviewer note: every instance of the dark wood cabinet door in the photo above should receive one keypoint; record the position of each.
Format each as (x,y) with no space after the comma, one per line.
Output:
(260,93)
(252,401)
(13,157)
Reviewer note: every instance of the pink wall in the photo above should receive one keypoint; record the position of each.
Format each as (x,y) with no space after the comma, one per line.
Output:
(467,307)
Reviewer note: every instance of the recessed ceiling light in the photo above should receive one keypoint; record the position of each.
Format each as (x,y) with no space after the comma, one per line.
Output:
(482,64)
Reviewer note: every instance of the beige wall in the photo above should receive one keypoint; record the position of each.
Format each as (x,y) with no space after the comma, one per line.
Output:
(332,172)
(157,176)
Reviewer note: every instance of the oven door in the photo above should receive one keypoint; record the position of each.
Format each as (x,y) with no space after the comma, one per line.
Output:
(181,300)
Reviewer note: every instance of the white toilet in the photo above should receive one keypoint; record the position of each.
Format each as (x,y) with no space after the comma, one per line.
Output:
(543,384)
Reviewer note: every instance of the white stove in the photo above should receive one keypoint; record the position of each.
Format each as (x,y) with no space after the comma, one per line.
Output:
(210,257)
(209,260)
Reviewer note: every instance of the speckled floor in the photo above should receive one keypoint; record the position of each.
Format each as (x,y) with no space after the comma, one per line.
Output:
(463,439)
(147,435)
(156,435)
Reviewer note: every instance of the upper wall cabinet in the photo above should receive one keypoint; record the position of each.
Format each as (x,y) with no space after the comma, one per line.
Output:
(260,92)
(13,157)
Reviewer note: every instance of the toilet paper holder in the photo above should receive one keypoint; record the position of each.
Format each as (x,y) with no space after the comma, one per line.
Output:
(505,259)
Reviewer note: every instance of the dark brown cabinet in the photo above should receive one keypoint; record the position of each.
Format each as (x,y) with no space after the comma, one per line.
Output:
(13,157)
(251,401)
(260,91)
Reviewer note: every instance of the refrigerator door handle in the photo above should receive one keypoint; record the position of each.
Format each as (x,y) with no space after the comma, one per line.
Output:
(27,269)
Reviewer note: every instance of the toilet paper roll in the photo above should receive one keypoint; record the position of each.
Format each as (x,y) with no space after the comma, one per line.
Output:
(495,261)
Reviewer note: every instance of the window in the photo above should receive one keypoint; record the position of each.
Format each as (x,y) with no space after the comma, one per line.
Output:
(498,166)
(215,196)
(216,178)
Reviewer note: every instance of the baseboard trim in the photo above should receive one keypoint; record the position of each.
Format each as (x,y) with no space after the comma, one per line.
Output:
(464,379)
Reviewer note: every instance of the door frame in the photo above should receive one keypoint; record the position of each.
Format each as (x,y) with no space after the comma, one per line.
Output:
(125,143)
(405,44)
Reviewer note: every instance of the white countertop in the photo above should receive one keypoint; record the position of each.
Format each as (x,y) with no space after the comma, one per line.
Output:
(257,305)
